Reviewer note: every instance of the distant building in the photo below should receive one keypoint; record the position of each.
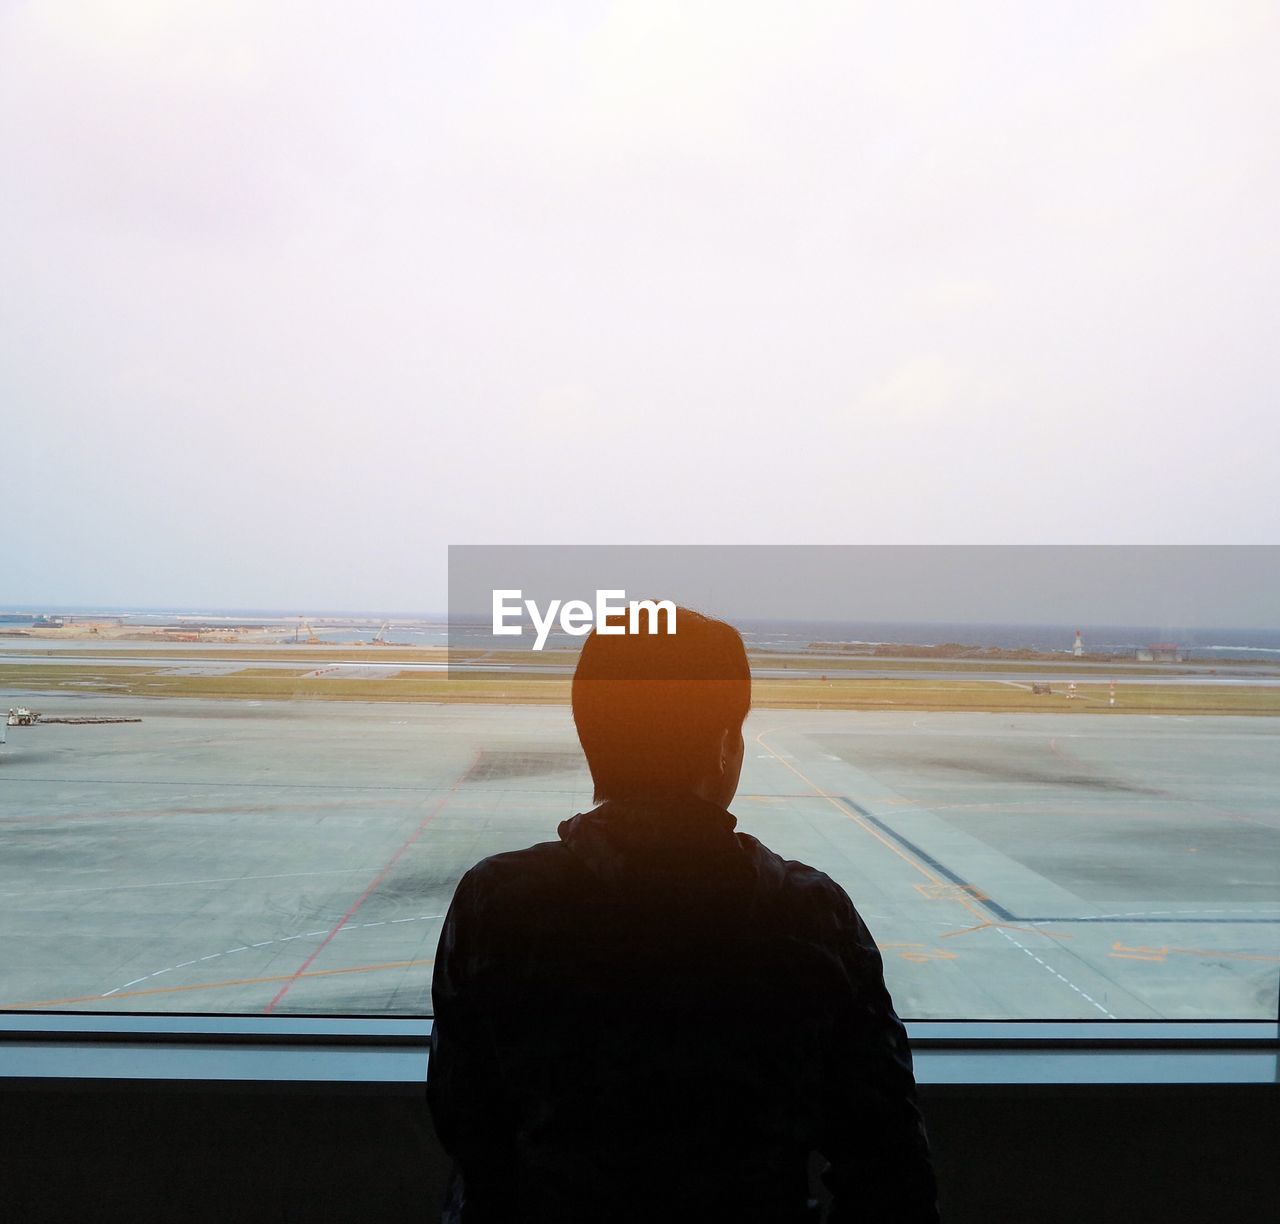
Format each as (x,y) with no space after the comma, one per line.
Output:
(1160,652)
(1078,648)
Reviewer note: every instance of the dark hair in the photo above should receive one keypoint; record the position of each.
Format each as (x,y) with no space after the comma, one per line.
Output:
(650,707)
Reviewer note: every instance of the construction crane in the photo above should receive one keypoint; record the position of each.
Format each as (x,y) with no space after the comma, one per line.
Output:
(310,639)
(381,638)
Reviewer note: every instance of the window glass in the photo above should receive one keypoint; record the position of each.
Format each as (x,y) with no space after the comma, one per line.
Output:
(298,297)
(252,813)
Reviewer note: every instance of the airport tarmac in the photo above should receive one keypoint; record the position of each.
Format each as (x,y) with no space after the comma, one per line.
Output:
(237,856)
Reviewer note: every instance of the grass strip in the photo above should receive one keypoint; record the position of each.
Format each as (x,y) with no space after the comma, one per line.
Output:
(505,688)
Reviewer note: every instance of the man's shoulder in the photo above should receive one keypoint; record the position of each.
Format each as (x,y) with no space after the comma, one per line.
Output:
(789,874)
(798,883)
(507,862)
(522,878)
(501,892)
(521,869)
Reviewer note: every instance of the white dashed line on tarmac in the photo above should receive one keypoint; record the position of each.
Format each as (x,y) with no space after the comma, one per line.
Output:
(1066,981)
(1187,913)
(285,875)
(351,926)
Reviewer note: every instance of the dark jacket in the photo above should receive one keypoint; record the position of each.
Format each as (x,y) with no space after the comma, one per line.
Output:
(658,1018)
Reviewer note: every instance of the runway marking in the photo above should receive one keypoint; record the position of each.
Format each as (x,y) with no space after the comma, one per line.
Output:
(351,926)
(1159,955)
(284,875)
(963,889)
(1192,915)
(251,981)
(1028,925)
(950,892)
(1067,981)
(774,796)
(917,953)
(857,818)
(369,888)
(1008,926)
(857,814)
(336,786)
(1120,951)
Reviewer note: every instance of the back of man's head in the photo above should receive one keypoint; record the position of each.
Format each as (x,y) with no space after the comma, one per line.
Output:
(652,709)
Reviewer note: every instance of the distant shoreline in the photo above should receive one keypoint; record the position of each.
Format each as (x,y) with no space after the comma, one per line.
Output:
(1103,645)
(959,651)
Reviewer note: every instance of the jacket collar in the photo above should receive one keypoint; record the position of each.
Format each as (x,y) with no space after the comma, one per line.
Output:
(682,818)
(674,833)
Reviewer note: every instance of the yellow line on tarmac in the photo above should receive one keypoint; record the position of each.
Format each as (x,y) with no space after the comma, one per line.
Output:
(834,800)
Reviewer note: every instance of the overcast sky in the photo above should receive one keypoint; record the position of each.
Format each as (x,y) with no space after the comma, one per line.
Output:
(294,295)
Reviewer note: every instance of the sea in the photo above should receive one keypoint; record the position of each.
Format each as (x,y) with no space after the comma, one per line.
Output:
(1199,644)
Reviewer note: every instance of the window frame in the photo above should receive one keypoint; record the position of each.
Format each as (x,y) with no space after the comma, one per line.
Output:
(391,1054)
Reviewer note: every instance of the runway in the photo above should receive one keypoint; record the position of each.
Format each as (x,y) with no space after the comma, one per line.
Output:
(271,857)
(309,668)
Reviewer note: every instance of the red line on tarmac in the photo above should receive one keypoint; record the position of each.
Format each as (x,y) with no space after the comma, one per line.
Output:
(364,896)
